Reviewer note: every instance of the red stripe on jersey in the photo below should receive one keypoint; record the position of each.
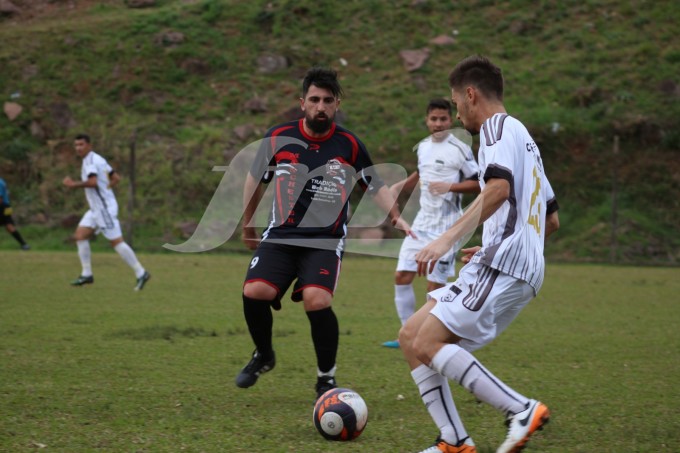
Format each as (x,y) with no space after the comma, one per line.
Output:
(355,146)
(343,196)
(275,133)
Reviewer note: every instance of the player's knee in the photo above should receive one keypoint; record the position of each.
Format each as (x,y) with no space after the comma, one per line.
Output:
(407,333)
(260,291)
(421,349)
(318,303)
(403,278)
(404,339)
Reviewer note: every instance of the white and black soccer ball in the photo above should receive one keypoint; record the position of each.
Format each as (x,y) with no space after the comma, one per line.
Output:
(340,414)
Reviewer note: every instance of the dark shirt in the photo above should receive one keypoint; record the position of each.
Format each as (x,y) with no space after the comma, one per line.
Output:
(4,193)
(313,178)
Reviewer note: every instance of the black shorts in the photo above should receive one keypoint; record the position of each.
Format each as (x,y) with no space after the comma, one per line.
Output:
(279,264)
(6,215)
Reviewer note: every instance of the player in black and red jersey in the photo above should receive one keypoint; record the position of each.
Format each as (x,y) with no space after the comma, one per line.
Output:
(313,164)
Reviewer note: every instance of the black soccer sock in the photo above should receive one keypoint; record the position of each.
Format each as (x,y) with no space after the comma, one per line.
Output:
(18,237)
(325,334)
(260,321)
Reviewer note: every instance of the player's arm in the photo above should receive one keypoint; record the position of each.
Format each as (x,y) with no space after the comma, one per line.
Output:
(114,178)
(552,220)
(467,186)
(388,203)
(90,182)
(253,191)
(495,193)
(408,184)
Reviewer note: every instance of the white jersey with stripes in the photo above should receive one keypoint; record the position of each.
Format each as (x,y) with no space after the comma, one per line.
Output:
(449,160)
(513,237)
(101,198)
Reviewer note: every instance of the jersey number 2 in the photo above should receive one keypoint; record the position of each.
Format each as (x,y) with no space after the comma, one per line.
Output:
(534,219)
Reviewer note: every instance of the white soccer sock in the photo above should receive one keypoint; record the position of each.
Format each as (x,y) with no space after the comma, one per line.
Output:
(128,255)
(459,365)
(436,394)
(405,300)
(85,257)
(330,372)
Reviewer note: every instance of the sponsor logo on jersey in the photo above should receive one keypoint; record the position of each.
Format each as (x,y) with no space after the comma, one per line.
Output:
(333,167)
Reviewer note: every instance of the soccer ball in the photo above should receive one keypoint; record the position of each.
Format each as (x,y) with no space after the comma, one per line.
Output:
(340,414)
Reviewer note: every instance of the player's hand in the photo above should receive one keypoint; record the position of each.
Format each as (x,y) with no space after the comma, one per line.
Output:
(68,182)
(428,255)
(250,238)
(439,188)
(469,253)
(403,225)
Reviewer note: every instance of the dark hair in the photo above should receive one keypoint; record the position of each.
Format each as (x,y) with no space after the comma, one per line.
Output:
(83,137)
(479,72)
(439,103)
(322,78)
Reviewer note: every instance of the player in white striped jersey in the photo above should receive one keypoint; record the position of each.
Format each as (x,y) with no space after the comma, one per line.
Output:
(97,179)
(446,170)
(518,209)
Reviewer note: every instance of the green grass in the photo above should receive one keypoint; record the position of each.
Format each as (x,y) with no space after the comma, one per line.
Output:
(102,368)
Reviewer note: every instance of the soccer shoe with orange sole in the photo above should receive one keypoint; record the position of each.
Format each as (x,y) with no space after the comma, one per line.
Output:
(522,425)
(442,446)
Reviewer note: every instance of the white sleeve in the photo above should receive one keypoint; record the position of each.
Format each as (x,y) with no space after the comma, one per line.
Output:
(500,158)
(90,169)
(470,167)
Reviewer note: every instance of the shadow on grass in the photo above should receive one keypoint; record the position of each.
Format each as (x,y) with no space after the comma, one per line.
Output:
(169,333)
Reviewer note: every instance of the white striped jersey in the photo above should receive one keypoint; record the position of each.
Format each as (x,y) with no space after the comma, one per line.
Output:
(513,237)
(100,198)
(449,160)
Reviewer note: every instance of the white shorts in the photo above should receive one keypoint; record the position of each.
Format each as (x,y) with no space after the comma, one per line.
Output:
(445,268)
(480,304)
(103,222)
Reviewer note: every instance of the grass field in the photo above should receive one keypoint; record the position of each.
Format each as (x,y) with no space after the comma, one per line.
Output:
(102,368)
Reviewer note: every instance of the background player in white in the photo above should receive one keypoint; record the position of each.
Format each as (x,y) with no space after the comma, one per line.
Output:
(97,178)
(518,209)
(446,170)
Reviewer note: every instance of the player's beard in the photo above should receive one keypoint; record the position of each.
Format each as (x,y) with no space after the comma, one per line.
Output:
(319,125)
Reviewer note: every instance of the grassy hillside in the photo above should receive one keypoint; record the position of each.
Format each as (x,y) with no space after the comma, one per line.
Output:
(578,74)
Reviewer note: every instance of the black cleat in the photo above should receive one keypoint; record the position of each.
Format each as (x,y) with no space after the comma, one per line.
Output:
(81,280)
(324,384)
(25,247)
(257,366)
(141,281)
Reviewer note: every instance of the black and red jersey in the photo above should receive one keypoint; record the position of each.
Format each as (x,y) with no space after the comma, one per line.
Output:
(312,178)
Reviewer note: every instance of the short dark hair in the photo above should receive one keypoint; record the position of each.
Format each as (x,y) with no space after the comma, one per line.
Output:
(322,78)
(439,103)
(83,137)
(479,72)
